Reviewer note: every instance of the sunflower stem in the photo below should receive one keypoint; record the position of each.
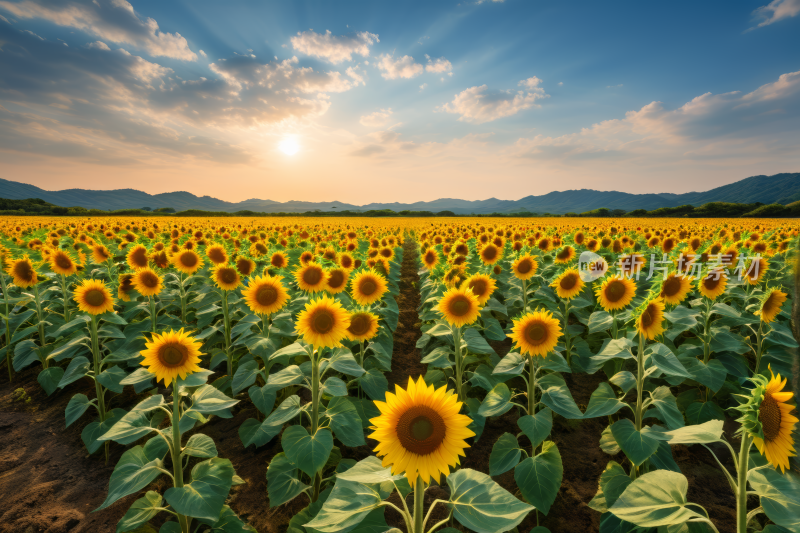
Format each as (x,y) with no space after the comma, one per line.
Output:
(40,319)
(8,327)
(98,367)
(741,492)
(66,298)
(532,386)
(315,397)
(227,320)
(459,370)
(524,296)
(639,390)
(153,315)
(760,342)
(175,449)
(183,299)
(419,500)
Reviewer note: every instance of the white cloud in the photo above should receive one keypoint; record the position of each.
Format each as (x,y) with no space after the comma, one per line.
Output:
(31,33)
(100,45)
(422,87)
(112,20)
(775,11)
(560,83)
(478,105)
(358,77)
(377,119)
(334,48)
(402,67)
(4,19)
(439,65)
(202,53)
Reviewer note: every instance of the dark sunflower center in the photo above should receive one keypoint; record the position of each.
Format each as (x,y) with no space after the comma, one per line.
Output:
(346,262)
(148,279)
(95,297)
(244,266)
(216,255)
(172,354)
(460,305)
(525,266)
(710,282)
(478,287)
(672,286)
(261,248)
(386,252)
(359,324)
(336,279)
(126,285)
(227,275)
(536,333)
(323,322)
(647,317)
(563,254)
(769,414)
(23,270)
(769,304)
(421,430)
(569,281)
(312,276)
(189,260)
(277,261)
(489,253)
(139,257)
(368,287)
(266,295)
(615,291)
(63,261)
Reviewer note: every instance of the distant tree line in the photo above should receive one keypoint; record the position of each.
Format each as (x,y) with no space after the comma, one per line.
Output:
(38,207)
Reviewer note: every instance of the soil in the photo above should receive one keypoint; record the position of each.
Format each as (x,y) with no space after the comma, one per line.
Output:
(50,484)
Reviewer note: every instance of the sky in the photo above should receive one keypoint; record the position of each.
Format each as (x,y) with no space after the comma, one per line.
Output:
(397,101)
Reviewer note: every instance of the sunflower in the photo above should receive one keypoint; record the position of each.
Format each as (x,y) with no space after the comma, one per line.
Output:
(187,261)
(755,270)
(62,263)
(771,305)
(217,254)
(147,282)
(368,287)
(651,319)
(631,264)
(536,333)
(616,293)
(430,258)
(482,287)
(306,258)
(125,287)
(265,295)
(23,273)
(525,267)
(226,277)
(323,323)
(713,284)
(675,288)
(565,255)
(346,261)
(569,284)
(337,280)
(363,326)
(490,254)
(311,277)
(767,417)
(420,431)
(137,257)
(245,265)
(459,306)
(172,354)
(92,297)
(279,260)
(100,254)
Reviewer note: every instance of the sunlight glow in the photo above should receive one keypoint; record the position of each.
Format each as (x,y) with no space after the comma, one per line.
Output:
(289,146)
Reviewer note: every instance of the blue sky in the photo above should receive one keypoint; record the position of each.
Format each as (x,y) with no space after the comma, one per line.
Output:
(399,101)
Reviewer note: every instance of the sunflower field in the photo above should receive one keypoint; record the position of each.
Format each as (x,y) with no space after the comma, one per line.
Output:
(180,375)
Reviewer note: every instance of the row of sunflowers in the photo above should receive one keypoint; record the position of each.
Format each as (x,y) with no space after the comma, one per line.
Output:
(685,321)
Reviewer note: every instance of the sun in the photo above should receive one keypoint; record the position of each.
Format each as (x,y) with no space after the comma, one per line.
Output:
(289,146)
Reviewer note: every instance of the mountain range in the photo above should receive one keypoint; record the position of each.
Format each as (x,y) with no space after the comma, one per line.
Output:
(780,188)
